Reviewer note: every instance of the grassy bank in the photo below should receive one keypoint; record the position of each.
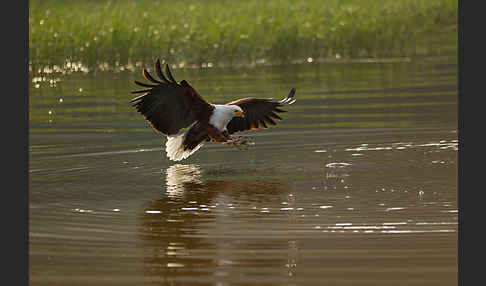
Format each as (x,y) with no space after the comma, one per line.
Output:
(105,33)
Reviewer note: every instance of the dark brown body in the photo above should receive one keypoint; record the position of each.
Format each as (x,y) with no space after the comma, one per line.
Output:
(200,132)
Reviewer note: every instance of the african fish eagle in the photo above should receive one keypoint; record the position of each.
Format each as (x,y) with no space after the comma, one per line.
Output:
(170,106)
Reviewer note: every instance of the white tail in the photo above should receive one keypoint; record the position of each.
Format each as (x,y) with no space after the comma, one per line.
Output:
(175,147)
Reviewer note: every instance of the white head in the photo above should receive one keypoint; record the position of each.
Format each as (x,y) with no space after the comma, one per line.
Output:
(222,114)
(236,110)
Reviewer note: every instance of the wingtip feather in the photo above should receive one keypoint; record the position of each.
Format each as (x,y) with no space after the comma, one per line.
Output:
(148,76)
(169,74)
(140,91)
(158,70)
(288,99)
(143,84)
(137,99)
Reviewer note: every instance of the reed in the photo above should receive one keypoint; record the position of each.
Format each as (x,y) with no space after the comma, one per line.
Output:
(102,33)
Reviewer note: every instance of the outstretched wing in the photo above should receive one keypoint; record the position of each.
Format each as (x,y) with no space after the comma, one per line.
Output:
(168,105)
(258,112)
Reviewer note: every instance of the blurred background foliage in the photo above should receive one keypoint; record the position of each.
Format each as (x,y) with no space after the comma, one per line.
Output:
(102,34)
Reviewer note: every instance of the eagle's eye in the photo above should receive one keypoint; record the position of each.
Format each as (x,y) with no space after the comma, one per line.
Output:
(238,112)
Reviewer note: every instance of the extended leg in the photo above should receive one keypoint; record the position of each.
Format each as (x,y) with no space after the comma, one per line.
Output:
(217,136)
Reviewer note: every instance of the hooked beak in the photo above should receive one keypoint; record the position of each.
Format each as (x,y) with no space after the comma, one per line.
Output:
(239,113)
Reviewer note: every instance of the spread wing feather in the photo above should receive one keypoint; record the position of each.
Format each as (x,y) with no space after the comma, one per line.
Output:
(258,112)
(168,105)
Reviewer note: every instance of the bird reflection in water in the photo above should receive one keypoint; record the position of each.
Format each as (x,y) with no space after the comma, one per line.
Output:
(175,226)
(179,176)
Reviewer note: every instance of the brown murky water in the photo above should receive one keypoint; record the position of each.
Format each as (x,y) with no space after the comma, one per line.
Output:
(357,186)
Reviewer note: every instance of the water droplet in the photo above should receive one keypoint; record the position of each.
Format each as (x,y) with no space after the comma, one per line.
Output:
(338,165)
(344,224)
(394,209)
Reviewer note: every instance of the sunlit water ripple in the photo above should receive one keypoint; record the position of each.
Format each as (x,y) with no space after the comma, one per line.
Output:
(371,204)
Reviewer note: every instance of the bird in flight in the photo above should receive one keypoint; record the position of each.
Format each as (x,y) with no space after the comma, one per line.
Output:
(170,106)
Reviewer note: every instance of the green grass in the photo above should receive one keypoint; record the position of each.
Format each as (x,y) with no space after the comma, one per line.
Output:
(105,33)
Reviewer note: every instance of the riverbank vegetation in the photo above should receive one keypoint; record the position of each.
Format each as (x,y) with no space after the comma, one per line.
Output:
(106,33)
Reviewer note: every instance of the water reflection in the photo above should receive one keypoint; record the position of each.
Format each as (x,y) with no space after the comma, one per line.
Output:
(169,229)
(336,175)
(307,204)
(180,175)
(177,227)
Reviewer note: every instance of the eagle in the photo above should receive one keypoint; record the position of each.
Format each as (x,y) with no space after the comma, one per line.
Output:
(177,111)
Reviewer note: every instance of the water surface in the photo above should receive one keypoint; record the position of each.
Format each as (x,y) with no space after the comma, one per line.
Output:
(357,186)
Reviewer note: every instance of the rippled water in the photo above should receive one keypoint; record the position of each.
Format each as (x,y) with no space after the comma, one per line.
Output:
(357,186)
